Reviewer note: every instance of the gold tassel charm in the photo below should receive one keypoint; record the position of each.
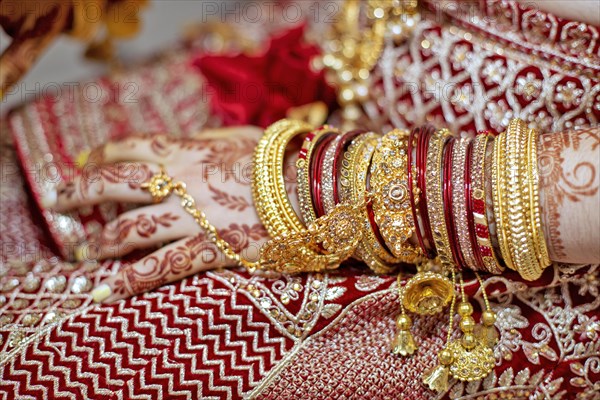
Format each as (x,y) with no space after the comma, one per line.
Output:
(486,332)
(427,292)
(403,343)
(437,377)
(472,359)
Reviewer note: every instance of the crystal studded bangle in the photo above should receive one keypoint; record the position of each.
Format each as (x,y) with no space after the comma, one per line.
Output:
(435,197)
(303,165)
(391,204)
(316,170)
(459,202)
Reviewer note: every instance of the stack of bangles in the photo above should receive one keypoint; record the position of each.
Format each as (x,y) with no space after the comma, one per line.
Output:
(423,197)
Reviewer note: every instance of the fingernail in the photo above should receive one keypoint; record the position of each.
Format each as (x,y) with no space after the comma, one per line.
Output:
(49,199)
(82,158)
(81,252)
(101,292)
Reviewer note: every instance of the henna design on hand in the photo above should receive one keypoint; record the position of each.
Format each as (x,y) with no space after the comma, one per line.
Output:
(227,157)
(176,263)
(561,185)
(230,201)
(145,227)
(134,174)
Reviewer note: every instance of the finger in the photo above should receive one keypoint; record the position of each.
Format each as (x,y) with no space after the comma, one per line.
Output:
(114,182)
(153,149)
(172,262)
(139,229)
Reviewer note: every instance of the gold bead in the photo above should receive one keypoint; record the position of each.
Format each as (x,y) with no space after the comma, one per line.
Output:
(403,322)
(469,341)
(467,324)
(445,357)
(488,318)
(465,308)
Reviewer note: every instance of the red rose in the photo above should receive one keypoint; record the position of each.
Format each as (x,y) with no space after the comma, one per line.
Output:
(258,90)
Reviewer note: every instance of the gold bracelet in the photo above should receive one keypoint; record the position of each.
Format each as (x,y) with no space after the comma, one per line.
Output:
(354,173)
(480,216)
(521,244)
(391,204)
(498,191)
(435,197)
(268,184)
(326,242)
(459,202)
(303,165)
(533,179)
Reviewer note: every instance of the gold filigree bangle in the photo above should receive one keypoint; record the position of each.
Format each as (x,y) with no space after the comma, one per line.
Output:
(521,244)
(391,204)
(354,174)
(536,219)
(435,198)
(498,191)
(268,184)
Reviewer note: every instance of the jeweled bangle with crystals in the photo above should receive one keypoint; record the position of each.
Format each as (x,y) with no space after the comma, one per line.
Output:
(498,192)
(390,197)
(328,175)
(478,220)
(355,169)
(448,203)
(459,202)
(316,171)
(536,219)
(338,161)
(303,176)
(435,201)
(521,245)
(268,185)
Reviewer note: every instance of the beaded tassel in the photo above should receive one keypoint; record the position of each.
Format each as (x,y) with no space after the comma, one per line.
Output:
(404,342)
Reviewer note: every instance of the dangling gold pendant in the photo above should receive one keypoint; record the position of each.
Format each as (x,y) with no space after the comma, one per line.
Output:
(470,365)
(427,293)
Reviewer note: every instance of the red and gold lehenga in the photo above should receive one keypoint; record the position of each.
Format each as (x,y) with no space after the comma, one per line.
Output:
(227,334)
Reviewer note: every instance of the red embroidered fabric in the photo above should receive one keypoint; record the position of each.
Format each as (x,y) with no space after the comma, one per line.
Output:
(319,336)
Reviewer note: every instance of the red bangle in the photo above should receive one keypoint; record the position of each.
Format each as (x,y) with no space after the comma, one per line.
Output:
(425,134)
(411,190)
(447,195)
(469,203)
(347,138)
(316,165)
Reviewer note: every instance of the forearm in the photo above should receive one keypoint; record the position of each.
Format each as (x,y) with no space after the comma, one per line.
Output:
(568,164)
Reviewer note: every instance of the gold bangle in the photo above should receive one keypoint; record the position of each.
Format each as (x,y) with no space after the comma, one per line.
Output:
(459,204)
(391,204)
(268,184)
(326,242)
(435,197)
(303,165)
(480,215)
(327,192)
(498,189)
(534,204)
(354,172)
(521,244)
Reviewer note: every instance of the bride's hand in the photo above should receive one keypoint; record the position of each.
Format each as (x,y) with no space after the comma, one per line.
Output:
(217,169)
